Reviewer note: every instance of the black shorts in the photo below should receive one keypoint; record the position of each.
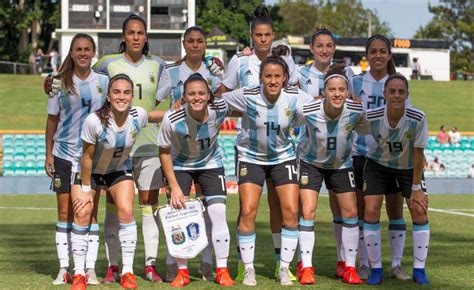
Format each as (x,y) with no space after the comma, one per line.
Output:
(112,178)
(211,181)
(337,180)
(377,179)
(280,174)
(358,163)
(63,176)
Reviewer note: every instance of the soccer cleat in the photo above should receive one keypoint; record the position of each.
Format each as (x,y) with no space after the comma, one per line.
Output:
(419,276)
(79,282)
(63,277)
(341,265)
(284,277)
(223,277)
(240,272)
(364,272)
(127,281)
(249,277)
(171,272)
(277,271)
(182,278)
(350,276)
(307,276)
(205,270)
(92,277)
(398,273)
(111,275)
(376,276)
(299,269)
(151,274)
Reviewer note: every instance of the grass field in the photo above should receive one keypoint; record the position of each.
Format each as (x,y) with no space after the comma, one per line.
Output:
(449,103)
(28,255)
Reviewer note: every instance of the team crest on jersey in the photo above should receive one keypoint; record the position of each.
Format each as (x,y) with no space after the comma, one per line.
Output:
(348,128)
(209,82)
(304,179)
(177,236)
(193,231)
(152,77)
(408,135)
(57,182)
(287,113)
(243,171)
(99,89)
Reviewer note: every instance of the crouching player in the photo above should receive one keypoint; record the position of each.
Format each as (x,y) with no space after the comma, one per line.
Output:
(396,154)
(189,152)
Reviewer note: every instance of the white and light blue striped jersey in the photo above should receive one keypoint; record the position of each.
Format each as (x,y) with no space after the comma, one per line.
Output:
(311,80)
(193,144)
(175,74)
(370,92)
(145,76)
(327,143)
(265,138)
(243,71)
(393,147)
(113,144)
(72,110)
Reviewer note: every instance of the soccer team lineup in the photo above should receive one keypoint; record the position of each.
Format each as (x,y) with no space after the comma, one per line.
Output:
(298,126)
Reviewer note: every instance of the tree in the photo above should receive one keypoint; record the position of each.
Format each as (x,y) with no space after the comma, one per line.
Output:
(452,21)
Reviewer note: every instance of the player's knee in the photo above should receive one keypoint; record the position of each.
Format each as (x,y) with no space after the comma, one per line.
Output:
(371,214)
(83,216)
(418,214)
(349,213)
(308,212)
(125,215)
(290,216)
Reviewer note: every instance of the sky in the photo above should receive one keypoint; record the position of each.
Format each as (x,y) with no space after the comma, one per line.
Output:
(404,17)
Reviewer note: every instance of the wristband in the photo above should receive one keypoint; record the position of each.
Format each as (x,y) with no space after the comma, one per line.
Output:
(86,188)
(416,187)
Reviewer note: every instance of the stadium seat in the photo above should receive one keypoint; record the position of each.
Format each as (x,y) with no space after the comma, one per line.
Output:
(7,137)
(20,172)
(20,138)
(8,150)
(8,157)
(8,143)
(8,172)
(40,158)
(429,174)
(7,164)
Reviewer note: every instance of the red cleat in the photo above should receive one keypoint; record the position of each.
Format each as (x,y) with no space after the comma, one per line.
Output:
(307,276)
(350,276)
(112,275)
(152,275)
(182,279)
(341,265)
(223,277)
(127,281)
(79,282)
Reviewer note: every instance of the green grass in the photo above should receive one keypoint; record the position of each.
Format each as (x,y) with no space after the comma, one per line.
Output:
(445,103)
(28,255)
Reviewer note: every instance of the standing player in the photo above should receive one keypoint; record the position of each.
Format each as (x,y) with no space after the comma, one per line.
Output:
(83,92)
(189,152)
(244,71)
(172,81)
(396,155)
(369,88)
(311,80)
(108,137)
(266,151)
(324,153)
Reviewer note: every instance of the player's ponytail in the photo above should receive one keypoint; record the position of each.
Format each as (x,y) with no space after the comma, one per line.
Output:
(104,112)
(67,67)
(261,16)
(276,60)
(280,50)
(122,46)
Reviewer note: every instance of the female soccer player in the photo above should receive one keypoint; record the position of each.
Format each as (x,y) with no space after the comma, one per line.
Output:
(189,152)
(171,82)
(324,153)
(396,156)
(83,92)
(244,71)
(108,137)
(266,150)
(311,80)
(369,88)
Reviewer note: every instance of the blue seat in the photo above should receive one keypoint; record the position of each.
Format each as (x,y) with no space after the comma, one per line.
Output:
(7,137)
(8,172)
(20,138)
(7,164)
(20,172)
(8,157)
(8,150)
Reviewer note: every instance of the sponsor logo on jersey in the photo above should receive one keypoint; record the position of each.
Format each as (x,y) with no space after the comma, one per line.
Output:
(248,73)
(309,82)
(177,236)
(193,231)
(304,179)
(361,93)
(186,136)
(316,129)
(180,83)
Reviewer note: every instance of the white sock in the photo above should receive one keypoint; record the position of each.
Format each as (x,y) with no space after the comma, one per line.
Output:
(421,241)
(247,247)
(276,237)
(337,234)
(373,242)
(128,241)
(289,242)
(306,241)
(151,234)
(111,233)
(362,249)
(220,230)
(92,246)
(182,263)
(63,239)
(79,241)
(206,256)
(396,233)
(350,240)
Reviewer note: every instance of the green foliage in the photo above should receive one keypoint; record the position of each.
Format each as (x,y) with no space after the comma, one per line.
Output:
(452,21)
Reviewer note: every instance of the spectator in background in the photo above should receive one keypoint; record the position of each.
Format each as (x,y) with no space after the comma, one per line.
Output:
(454,136)
(443,137)
(415,69)
(39,60)
(54,60)
(471,172)
(364,64)
(437,166)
